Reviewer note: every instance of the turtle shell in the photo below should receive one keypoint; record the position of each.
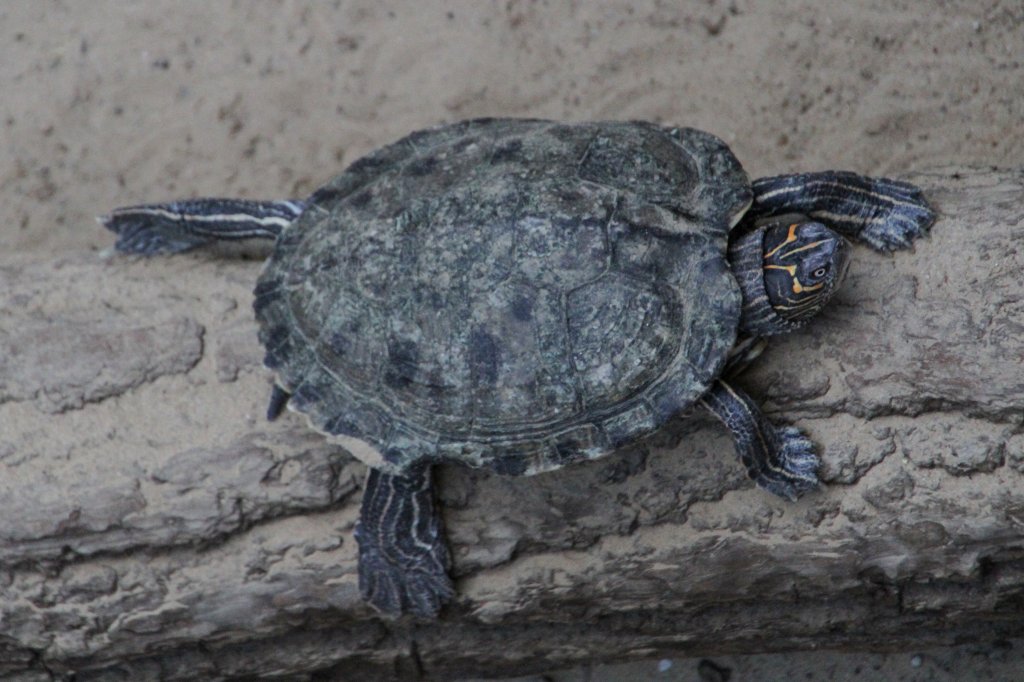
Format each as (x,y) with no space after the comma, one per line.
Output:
(517,294)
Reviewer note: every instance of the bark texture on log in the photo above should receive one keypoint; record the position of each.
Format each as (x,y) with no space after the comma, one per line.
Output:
(155,527)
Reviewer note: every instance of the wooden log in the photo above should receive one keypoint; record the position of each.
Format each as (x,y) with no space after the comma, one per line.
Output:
(156,527)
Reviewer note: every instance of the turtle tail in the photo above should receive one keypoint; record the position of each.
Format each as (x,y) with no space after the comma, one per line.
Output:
(176,226)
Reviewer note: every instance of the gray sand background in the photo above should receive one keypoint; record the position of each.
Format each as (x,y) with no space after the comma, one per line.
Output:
(110,103)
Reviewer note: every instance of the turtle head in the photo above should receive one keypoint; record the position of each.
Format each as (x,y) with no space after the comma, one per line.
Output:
(804,264)
(788,270)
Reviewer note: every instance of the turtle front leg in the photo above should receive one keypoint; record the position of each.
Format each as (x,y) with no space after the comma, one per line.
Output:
(779,459)
(176,226)
(887,214)
(403,558)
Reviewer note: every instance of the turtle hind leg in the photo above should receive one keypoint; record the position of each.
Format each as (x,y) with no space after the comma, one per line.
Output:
(177,226)
(887,214)
(779,459)
(403,558)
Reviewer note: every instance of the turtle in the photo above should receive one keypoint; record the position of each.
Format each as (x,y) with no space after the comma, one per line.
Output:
(522,294)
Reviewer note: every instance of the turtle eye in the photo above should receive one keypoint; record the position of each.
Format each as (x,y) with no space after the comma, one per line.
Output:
(820,272)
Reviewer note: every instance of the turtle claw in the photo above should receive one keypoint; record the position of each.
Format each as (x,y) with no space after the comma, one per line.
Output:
(394,587)
(140,234)
(902,217)
(791,469)
(428,592)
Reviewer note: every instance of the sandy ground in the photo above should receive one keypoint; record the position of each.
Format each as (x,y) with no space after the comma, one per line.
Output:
(108,103)
(112,102)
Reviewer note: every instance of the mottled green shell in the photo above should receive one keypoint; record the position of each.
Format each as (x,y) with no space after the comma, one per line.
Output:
(516,294)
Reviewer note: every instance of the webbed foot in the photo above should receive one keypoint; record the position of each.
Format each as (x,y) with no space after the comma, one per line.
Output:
(145,231)
(792,464)
(403,558)
(900,213)
(779,459)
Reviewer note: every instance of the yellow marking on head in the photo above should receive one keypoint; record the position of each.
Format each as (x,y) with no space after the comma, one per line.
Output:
(803,248)
(790,238)
(798,288)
